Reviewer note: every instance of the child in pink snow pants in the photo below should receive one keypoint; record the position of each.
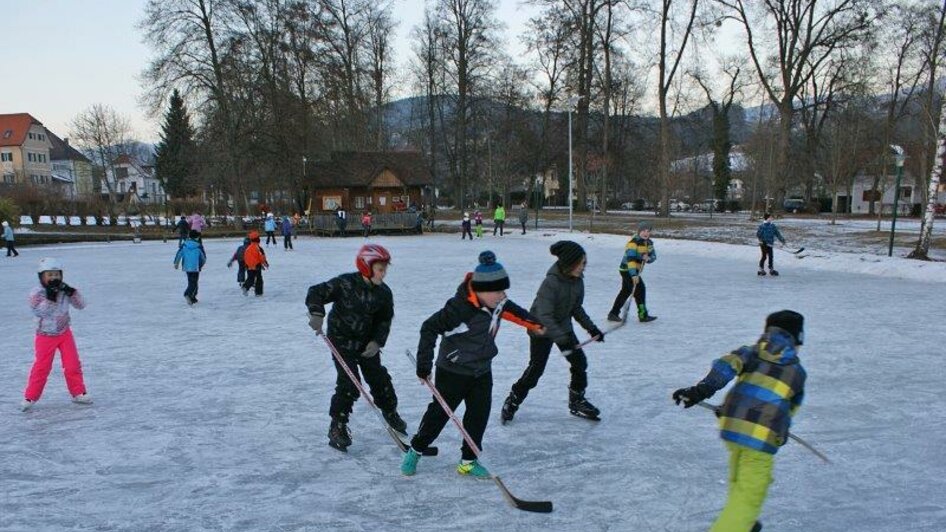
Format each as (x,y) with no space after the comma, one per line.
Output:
(50,303)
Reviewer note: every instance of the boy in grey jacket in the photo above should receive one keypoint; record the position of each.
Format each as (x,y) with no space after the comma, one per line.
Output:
(559,299)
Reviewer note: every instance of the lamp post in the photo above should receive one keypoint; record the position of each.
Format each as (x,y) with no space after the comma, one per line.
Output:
(899,158)
(572,102)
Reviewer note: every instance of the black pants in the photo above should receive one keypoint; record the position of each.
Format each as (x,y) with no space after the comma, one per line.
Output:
(254,280)
(498,226)
(367,230)
(539,350)
(192,278)
(466,231)
(340,225)
(475,392)
(287,241)
(346,393)
(627,287)
(767,251)
(270,234)
(524,226)
(241,273)
(11,249)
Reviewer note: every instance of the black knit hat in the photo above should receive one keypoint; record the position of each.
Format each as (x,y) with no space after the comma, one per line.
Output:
(569,254)
(790,322)
(489,276)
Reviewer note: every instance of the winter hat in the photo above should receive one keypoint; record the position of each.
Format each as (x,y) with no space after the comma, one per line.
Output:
(6,223)
(269,215)
(790,322)
(569,254)
(193,235)
(489,276)
(645,225)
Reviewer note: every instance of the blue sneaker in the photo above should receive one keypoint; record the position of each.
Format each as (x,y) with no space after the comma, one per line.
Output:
(473,469)
(409,462)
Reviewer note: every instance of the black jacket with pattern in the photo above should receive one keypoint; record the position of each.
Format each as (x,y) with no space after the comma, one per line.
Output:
(361,311)
(468,345)
(559,299)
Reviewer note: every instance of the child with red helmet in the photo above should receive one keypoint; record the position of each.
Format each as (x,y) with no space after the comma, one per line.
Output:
(255,259)
(50,302)
(358,326)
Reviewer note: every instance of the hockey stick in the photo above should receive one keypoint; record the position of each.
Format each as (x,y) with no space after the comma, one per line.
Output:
(529,506)
(431,451)
(800,441)
(796,252)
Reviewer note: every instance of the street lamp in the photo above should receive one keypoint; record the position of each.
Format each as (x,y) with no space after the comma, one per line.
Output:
(899,158)
(572,102)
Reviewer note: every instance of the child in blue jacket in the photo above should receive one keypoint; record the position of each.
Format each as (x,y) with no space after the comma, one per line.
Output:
(238,258)
(191,253)
(767,233)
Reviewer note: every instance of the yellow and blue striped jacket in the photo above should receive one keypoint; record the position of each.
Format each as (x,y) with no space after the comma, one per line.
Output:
(634,253)
(757,412)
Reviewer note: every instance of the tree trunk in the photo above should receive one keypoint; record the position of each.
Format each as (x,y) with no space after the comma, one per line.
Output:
(926,235)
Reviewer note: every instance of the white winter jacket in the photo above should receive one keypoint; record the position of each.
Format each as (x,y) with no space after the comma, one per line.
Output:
(53,316)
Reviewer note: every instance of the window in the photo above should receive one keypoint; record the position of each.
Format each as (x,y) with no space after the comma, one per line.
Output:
(29,156)
(359,202)
(871,195)
(9,178)
(121,173)
(154,188)
(31,138)
(6,157)
(906,193)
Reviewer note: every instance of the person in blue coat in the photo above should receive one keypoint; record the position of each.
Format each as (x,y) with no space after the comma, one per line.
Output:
(9,239)
(192,255)
(767,233)
(270,227)
(286,233)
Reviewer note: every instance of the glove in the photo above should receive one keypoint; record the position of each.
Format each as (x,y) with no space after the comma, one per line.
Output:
(423,372)
(230,264)
(597,332)
(372,349)
(693,395)
(66,289)
(315,321)
(175,265)
(52,292)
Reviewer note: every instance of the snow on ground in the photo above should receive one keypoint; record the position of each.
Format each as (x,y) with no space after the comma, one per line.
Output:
(215,417)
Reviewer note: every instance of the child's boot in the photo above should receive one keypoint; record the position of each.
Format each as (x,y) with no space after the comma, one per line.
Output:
(26,405)
(579,406)
(773,272)
(409,462)
(473,469)
(757,527)
(82,399)
(761,272)
(643,315)
(339,436)
(510,406)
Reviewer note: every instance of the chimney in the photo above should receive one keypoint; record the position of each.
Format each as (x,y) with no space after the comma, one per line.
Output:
(65,140)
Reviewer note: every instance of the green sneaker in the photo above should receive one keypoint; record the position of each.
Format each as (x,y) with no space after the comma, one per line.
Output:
(473,469)
(409,462)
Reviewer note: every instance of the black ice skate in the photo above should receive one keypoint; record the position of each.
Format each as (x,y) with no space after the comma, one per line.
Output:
(581,407)
(510,406)
(339,436)
(757,527)
(773,273)
(761,272)
(612,316)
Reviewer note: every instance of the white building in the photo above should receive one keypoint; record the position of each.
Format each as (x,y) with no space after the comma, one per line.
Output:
(863,192)
(135,181)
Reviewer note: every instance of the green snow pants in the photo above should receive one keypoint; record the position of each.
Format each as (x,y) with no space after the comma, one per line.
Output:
(750,473)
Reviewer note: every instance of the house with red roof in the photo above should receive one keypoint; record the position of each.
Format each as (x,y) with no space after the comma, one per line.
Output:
(24,151)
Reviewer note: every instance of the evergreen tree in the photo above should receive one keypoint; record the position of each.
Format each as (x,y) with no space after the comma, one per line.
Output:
(176,153)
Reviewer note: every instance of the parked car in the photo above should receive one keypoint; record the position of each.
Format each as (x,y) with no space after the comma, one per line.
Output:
(679,206)
(707,204)
(793,205)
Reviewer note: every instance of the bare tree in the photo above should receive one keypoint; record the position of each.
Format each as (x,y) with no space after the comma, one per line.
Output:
(380,27)
(789,41)
(104,133)
(722,138)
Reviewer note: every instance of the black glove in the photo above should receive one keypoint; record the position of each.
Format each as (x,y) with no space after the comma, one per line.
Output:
(693,395)
(596,332)
(52,289)
(66,289)
(315,321)
(423,371)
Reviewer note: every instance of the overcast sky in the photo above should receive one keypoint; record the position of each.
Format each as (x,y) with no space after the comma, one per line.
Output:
(61,56)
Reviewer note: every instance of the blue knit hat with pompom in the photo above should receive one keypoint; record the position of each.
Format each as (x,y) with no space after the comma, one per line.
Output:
(489,276)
